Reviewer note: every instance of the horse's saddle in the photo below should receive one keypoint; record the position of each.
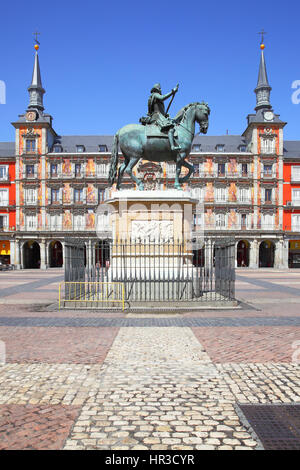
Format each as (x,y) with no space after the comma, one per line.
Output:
(152,130)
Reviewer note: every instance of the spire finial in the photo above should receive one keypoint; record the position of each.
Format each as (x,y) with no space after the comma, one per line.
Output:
(262,32)
(36,89)
(263,88)
(37,44)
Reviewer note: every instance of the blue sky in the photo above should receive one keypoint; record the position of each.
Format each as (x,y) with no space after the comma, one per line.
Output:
(99,60)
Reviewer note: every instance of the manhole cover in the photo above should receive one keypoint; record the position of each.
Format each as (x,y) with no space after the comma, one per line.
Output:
(276,426)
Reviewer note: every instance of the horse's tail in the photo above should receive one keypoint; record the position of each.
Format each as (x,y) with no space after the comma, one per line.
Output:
(114,161)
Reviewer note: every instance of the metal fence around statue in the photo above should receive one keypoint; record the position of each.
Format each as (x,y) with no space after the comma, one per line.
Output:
(137,273)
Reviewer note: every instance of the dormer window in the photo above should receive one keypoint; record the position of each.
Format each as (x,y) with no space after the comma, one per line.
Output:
(57,149)
(80,148)
(243,148)
(30,145)
(196,148)
(102,148)
(220,148)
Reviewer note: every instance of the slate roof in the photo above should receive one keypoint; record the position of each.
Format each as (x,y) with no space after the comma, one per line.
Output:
(7,149)
(208,144)
(91,142)
(291,149)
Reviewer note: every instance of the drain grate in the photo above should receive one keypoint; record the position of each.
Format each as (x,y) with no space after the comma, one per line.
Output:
(276,426)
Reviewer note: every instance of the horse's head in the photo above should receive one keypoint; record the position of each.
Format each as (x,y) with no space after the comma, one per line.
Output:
(201,116)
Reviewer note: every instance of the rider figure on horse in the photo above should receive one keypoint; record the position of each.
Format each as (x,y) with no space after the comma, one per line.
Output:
(157,113)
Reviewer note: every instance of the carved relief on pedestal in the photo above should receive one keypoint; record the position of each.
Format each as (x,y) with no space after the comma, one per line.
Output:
(152,230)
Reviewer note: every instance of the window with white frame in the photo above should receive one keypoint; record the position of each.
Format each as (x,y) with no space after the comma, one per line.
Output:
(198,193)
(102,221)
(101,194)
(4,172)
(267,195)
(221,194)
(30,171)
(296,173)
(78,195)
(55,221)
(4,197)
(30,196)
(244,168)
(199,219)
(296,222)
(243,221)
(79,222)
(171,170)
(54,169)
(267,221)
(31,222)
(3,221)
(220,221)
(55,196)
(268,170)
(30,145)
(102,169)
(268,145)
(296,195)
(244,195)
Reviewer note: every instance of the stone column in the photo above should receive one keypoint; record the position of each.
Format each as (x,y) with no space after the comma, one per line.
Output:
(253,255)
(43,254)
(63,251)
(12,252)
(281,254)
(89,253)
(21,255)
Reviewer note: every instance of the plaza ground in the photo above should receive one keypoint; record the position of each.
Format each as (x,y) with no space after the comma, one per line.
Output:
(114,380)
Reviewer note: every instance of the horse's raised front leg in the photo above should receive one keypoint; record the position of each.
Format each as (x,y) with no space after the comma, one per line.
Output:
(190,167)
(128,170)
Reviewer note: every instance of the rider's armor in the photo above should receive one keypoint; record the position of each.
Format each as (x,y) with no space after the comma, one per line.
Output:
(157,113)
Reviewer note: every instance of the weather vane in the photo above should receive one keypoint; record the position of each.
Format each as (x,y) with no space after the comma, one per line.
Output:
(262,32)
(36,37)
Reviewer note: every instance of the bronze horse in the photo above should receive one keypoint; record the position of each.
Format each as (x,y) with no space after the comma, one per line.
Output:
(135,144)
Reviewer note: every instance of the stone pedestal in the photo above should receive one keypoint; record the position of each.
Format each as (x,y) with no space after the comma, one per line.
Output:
(151,240)
(147,215)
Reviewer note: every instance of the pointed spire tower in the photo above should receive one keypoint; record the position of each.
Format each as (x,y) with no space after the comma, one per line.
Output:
(36,90)
(263,88)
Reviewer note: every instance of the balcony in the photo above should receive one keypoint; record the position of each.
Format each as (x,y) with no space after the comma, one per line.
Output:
(268,175)
(30,175)
(219,174)
(227,200)
(31,202)
(295,178)
(293,203)
(6,228)
(292,228)
(271,202)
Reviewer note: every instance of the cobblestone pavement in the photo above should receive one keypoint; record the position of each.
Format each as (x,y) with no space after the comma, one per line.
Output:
(152,382)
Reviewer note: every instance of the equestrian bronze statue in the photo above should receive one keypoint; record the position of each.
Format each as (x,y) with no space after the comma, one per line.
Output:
(158,138)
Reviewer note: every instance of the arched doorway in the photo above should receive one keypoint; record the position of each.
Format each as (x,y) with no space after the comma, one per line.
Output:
(266,254)
(55,254)
(31,255)
(242,253)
